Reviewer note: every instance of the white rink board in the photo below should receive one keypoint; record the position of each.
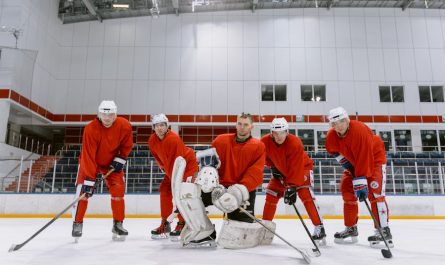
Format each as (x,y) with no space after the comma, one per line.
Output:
(331,205)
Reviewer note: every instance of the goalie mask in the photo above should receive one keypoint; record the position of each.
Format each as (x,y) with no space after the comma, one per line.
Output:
(208,179)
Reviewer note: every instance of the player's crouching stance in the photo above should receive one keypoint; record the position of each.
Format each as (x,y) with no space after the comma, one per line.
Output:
(199,231)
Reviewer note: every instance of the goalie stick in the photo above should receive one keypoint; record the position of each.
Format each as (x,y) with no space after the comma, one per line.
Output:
(303,254)
(15,247)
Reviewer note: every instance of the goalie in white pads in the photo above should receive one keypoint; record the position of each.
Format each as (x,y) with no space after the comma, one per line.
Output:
(240,159)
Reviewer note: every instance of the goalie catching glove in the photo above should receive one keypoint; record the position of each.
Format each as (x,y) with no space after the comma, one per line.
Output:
(230,199)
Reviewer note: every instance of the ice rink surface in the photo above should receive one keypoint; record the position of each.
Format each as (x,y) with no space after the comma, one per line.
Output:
(416,242)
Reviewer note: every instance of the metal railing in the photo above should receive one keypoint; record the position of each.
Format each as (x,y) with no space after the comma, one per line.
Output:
(407,173)
(144,176)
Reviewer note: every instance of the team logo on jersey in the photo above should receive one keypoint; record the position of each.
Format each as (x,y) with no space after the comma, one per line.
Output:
(374,184)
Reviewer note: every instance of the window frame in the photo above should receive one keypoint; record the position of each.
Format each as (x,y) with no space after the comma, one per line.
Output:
(274,92)
(313,88)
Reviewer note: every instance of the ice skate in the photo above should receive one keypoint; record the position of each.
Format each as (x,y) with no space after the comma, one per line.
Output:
(207,242)
(175,235)
(119,232)
(162,232)
(376,240)
(347,236)
(77,231)
(319,235)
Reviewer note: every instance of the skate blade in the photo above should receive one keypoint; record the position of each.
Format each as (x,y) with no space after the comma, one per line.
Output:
(76,240)
(118,238)
(175,238)
(160,236)
(346,241)
(381,244)
(320,242)
(208,244)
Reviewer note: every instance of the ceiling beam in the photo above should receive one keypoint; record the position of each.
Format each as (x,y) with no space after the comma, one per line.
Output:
(92,9)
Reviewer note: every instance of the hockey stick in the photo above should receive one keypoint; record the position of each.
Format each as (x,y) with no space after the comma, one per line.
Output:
(316,250)
(303,254)
(15,247)
(385,252)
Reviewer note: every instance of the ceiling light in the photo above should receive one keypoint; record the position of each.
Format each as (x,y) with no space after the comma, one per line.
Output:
(121,5)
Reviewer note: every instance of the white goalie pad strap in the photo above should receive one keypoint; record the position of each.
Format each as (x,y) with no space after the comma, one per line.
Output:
(238,235)
(187,198)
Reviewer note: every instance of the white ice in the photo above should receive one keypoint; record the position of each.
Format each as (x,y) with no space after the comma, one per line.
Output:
(416,242)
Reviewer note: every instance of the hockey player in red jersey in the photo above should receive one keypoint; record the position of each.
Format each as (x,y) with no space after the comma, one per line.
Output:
(165,145)
(362,156)
(240,166)
(106,144)
(292,173)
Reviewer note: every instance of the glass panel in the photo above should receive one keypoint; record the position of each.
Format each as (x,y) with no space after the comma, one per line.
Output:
(424,94)
(442,140)
(429,140)
(397,94)
(437,92)
(403,141)
(386,138)
(264,132)
(321,138)
(384,93)
(292,131)
(280,92)
(307,137)
(306,92)
(320,93)
(267,92)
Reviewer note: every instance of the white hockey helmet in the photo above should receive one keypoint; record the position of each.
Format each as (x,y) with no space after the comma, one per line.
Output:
(107,106)
(159,118)
(279,125)
(207,178)
(337,114)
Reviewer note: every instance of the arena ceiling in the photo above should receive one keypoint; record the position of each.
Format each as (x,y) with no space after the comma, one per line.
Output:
(72,11)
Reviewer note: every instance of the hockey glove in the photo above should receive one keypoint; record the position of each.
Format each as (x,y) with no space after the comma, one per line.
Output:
(276,174)
(231,199)
(211,152)
(360,185)
(118,164)
(344,162)
(290,195)
(88,187)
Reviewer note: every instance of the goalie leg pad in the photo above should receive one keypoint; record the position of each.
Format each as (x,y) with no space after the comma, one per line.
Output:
(239,235)
(187,198)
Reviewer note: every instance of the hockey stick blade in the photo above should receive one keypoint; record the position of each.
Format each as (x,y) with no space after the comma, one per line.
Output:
(315,250)
(386,253)
(303,254)
(15,247)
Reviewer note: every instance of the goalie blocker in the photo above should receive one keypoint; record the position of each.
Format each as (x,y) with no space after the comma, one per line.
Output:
(237,232)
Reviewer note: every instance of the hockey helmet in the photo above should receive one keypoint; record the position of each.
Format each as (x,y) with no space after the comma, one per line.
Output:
(279,125)
(107,106)
(207,178)
(159,118)
(337,114)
